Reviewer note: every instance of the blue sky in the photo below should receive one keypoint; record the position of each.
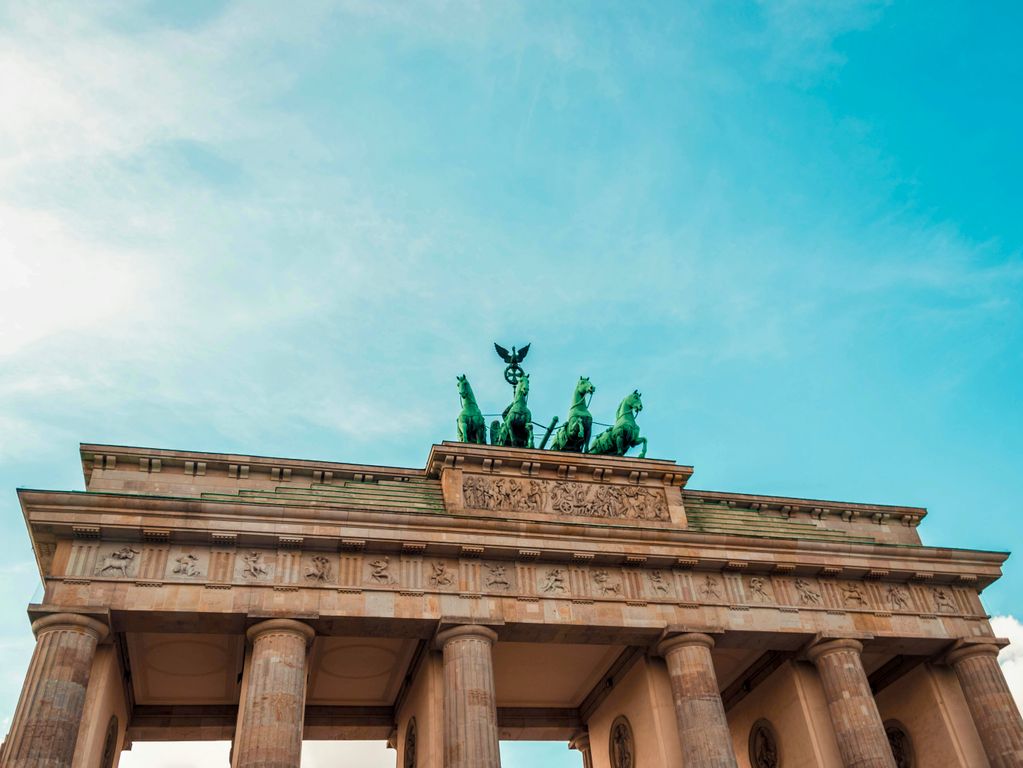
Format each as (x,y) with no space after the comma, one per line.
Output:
(284,229)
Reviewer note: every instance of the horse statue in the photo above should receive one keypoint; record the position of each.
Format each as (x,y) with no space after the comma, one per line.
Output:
(471,426)
(616,440)
(574,434)
(515,429)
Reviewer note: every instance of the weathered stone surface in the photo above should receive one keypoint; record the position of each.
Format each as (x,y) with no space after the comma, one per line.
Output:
(994,712)
(272,712)
(47,719)
(470,703)
(858,727)
(702,727)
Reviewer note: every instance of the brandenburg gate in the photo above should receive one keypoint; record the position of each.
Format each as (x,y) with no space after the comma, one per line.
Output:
(500,592)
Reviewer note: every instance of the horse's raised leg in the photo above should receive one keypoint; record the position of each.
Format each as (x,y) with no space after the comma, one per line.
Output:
(642,454)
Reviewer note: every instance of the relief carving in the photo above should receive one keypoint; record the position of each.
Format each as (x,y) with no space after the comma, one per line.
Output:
(943,600)
(622,748)
(763,746)
(554,581)
(186,565)
(709,588)
(852,594)
(380,571)
(497,577)
(758,588)
(605,585)
(807,595)
(117,562)
(441,576)
(254,568)
(898,598)
(566,498)
(319,569)
(658,582)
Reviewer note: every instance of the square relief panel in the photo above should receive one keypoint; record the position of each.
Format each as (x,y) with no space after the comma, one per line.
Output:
(254,565)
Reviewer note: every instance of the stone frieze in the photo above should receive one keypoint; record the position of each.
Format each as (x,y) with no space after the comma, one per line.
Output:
(416,572)
(564,498)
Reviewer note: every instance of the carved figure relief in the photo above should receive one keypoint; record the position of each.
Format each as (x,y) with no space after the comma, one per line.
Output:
(319,569)
(186,565)
(658,582)
(564,498)
(622,748)
(496,577)
(763,746)
(852,594)
(119,561)
(441,576)
(554,581)
(758,588)
(898,598)
(807,594)
(902,748)
(943,600)
(380,570)
(709,588)
(605,585)
(254,568)
(410,745)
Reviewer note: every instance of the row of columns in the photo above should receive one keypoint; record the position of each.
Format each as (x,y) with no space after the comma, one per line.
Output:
(271,712)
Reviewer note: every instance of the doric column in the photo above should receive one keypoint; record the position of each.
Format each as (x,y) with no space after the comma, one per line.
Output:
(470,709)
(581,741)
(702,726)
(49,713)
(994,712)
(272,713)
(858,727)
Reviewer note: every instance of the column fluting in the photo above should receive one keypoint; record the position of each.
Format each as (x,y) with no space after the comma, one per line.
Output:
(470,708)
(271,717)
(702,725)
(49,713)
(857,723)
(991,704)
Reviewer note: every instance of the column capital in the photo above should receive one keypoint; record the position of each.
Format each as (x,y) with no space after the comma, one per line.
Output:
(476,631)
(824,646)
(70,621)
(967,648)
(580,741)
(686,640)
(280,626)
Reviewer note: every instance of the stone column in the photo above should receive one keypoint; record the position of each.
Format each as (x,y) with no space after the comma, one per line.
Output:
(272,713)
(581,741)
(702,726)
(858,727)
(470,710)
(49,713)
(994,712)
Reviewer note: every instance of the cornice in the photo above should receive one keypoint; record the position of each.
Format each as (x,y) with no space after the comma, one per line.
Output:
(51,514)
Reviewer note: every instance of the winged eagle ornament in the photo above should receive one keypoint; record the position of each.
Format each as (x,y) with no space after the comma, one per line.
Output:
(514,371)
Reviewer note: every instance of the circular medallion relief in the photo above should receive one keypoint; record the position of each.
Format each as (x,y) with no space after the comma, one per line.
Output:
(622,746)
(410,745)
(902,747)
(763,746)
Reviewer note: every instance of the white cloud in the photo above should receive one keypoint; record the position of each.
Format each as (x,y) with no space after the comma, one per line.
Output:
(1011,658)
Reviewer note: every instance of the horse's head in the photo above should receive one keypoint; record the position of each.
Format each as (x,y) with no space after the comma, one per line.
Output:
(583,387)
(633,402)
(463,386)
(522,387)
